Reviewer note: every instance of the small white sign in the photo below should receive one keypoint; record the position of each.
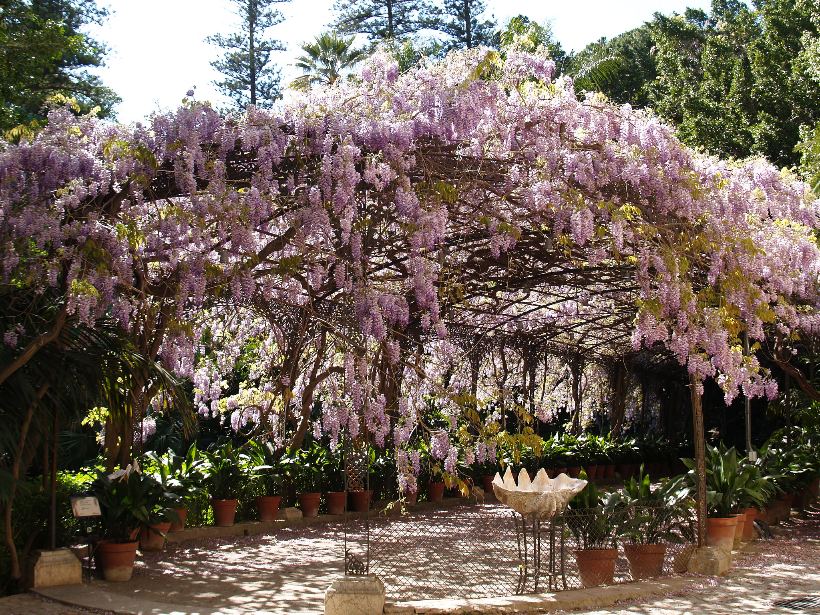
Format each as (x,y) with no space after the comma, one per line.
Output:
(85,507)
(752,455)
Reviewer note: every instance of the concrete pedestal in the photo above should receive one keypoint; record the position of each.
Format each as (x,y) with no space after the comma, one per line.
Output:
(59,567)
(355,595)
(710,560)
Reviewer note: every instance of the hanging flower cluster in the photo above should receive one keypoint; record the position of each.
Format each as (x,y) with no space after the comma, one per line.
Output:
(391,218)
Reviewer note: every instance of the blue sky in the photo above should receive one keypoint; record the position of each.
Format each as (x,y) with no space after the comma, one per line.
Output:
(157,48)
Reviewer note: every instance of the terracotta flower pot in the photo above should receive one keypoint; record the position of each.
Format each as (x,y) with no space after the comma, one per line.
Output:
(309,503)
(336,502)
(487,484)
(117,560)
(813,489)
(720,532)
(596,566)
(179,523)
(741,523)
(268,507)
(224,512)
(360,500)
(749,531)
(592,471)
(574,471)
(436,491)
(153,538)
(411,497)
(609,471)
(645,561)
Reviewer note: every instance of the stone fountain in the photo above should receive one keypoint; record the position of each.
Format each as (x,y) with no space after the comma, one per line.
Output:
(535,501)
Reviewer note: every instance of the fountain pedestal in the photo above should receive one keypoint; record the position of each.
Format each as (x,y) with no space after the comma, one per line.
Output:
(533,503)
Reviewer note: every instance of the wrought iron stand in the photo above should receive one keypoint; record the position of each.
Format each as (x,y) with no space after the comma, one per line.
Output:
(528,532)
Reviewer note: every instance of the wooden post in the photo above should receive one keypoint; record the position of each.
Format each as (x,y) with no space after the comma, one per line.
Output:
(52,509)
(747,406)
(700,456)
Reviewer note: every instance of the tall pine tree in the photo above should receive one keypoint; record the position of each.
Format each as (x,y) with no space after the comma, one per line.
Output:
(461,22)
(250,78)
(385,19)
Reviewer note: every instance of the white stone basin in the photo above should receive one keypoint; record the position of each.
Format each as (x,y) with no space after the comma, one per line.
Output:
(543,497)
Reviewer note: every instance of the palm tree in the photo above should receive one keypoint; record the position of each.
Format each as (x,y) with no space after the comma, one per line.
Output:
(325,59)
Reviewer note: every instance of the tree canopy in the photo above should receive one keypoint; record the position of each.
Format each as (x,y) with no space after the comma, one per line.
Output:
(250,78)
(383,20)
(45,56)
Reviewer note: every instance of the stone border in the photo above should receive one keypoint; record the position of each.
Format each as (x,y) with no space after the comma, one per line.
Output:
(591,598)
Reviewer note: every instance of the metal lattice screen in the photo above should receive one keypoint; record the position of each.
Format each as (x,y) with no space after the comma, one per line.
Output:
(459,552)
(473,551)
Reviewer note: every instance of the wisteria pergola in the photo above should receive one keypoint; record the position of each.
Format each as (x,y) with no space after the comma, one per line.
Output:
(402,237)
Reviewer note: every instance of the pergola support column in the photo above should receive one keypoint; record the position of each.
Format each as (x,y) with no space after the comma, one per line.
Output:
(699,441)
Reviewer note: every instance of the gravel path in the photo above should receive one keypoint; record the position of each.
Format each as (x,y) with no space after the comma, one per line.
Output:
(764,576)
(289,571)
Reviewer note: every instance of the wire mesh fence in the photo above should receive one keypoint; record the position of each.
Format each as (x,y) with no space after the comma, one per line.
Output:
(481,551)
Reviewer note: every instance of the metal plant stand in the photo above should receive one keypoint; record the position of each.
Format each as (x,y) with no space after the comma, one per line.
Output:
(357,478)
(529,532)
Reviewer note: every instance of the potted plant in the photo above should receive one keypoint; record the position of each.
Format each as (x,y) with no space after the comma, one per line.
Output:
(360,497)
(487,472)
(126,498)
(266,471)
(181,476)
(727,484)
(646,523)
(222,476)
(754,490)
(334,479)
(306,473)
(591,520)
(435,489)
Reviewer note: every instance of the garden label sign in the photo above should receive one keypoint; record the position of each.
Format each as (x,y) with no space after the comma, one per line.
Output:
(85,506)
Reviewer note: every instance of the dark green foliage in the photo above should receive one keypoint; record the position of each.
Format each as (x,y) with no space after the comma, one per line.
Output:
(408,53)
(739,81)
(45,56)
(305,468)
(181,475)
(631,64)
(223,472)
(30,517)
(325,59)
(791,457)
(250,78)
(651,515)
(732,482)
(381,20)
(264,465)
(592,517)
(130,500)
(462,22)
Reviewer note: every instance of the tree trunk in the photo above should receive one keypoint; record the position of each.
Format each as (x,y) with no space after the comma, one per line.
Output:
(35,346)
(8,523)
(618,410)
(252,47)
(390,25)
(700,456)
(468,26)
(577,369)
